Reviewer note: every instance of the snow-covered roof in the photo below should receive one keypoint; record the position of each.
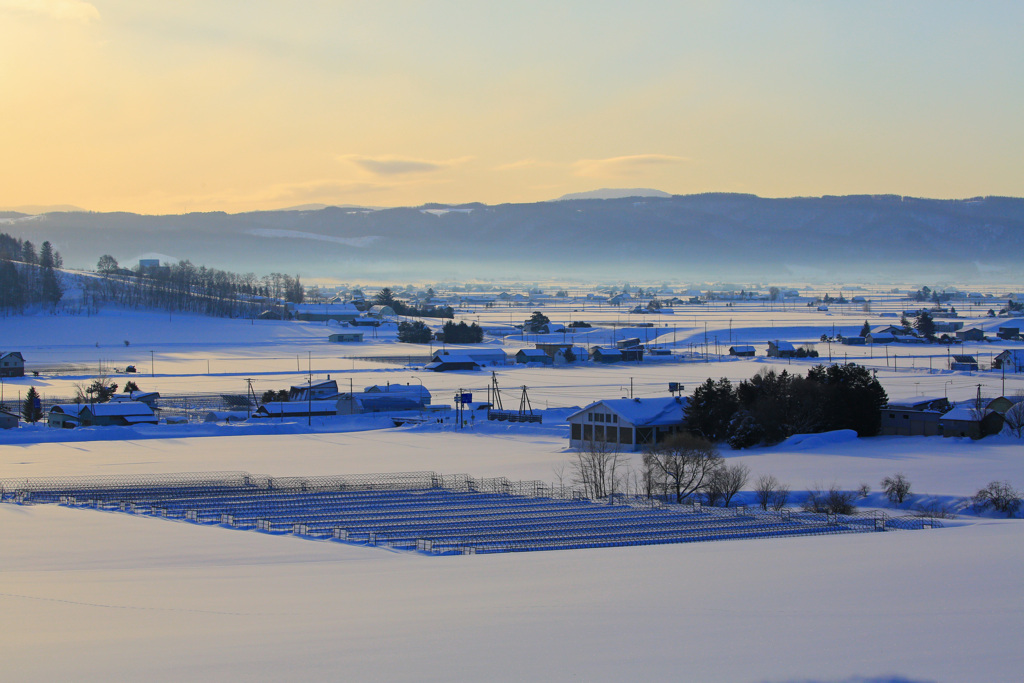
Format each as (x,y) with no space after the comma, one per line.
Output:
(119,409)
(742,349)
(134,396)
(965,412)
(642,412)
(473,354)
(303,407)
(72,409)
(783,345)
(532,353)
(414,390)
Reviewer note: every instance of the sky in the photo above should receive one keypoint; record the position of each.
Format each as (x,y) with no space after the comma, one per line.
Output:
(172,107)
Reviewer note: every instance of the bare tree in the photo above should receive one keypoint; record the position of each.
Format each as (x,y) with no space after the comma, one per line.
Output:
(681,465)
(833,501)
(999,495)
(725,483)
(1014,419)
(769,493)
(896,487)
(596,468)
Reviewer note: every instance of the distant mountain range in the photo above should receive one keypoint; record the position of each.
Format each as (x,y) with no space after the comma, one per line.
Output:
(694,237)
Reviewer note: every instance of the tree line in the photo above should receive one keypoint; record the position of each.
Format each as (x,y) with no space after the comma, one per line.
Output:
(28,278)
(771,406)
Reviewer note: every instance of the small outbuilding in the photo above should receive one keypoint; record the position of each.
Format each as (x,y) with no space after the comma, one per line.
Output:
(449,362)
(533,356)
(971,334)
(968,420)
(964,363)
(742,351)
(346,337)
(8,420)
(915,417)
(600,354)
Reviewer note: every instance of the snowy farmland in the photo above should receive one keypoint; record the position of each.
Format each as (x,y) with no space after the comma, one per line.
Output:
(94,595)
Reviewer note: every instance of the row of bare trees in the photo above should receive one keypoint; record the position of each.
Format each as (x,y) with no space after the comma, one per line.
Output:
(682,467)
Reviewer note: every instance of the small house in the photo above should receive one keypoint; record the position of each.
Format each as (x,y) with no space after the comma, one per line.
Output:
(948,326)
(1007,332)
(854,341)
(12,364)
(971,334)
(1011,360)
(631,424)
(880,337)
(317,391)
(533,356)
(627,343)
(964,363)
(605,355)
(741,351)
(345,337)
(781,349)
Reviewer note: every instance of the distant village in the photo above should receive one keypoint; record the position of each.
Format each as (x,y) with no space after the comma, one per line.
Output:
(351,317)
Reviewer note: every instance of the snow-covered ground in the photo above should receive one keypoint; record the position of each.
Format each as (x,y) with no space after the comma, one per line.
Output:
(89,595)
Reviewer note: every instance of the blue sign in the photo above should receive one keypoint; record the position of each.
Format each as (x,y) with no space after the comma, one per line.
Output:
(465,398)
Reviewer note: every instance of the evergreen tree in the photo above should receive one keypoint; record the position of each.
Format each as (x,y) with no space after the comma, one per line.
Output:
(415,332)
(32,407)
(925,325)
(866,330)
(710,409)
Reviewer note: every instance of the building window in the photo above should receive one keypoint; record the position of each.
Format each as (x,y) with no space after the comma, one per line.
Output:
(577,432)
(626,435)
(588,432)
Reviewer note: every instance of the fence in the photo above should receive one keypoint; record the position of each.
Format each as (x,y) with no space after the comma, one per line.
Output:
(430,512)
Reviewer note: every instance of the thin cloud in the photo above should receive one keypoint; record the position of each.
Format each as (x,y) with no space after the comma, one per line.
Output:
(523,163)
(625,165)
(392,165)
(61,10)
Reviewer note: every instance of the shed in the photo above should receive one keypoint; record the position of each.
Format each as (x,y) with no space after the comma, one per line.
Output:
(631,424)
(65,416)
(306,408)
(743,351)
(533,356)
(967,420)
(481,356)
(1008,332)
(416,392)
(12,364)
(346,337)
(915,417)
(8,420)
(600,354)
(971,334)
(965,363)
(322,312)
(449,362)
